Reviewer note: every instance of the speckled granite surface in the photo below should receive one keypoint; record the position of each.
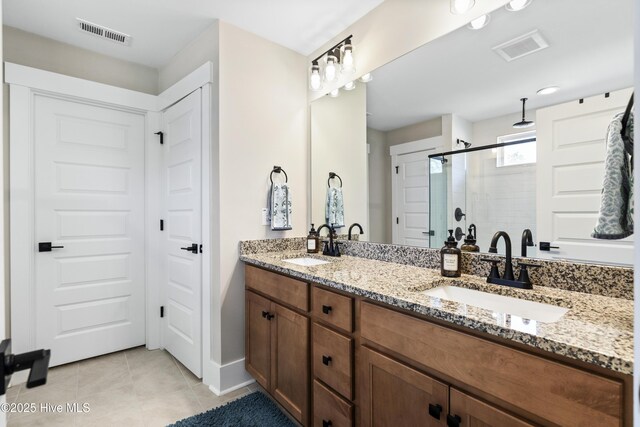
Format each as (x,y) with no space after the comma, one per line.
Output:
(596,329)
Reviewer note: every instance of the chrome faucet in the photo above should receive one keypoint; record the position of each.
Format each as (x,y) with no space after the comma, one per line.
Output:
(332,249)
(508,267)
(523,282)
(355,224)
(527,240)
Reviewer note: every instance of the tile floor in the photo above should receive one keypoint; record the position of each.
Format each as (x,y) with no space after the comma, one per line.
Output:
(135,387)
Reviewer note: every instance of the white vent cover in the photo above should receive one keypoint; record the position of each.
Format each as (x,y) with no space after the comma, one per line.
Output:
(521,46)
(104,32)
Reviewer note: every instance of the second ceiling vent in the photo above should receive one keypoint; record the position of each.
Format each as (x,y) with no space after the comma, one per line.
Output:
(104,32)
(521,46)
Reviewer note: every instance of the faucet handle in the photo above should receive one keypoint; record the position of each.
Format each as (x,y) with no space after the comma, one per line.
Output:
(494,273)
(524,273)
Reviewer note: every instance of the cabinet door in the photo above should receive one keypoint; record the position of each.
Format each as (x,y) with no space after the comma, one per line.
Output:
(393,394)
(469,412)
(258,338)
(290,356)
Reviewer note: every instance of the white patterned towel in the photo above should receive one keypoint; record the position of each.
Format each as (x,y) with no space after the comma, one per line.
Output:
(334,212)
(280,206)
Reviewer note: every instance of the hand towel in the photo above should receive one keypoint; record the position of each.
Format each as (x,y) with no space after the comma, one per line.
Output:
(334,212)
(280,206)
(615,220)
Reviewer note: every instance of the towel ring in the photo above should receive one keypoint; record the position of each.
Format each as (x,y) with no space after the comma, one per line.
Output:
(333,175)
(278,169)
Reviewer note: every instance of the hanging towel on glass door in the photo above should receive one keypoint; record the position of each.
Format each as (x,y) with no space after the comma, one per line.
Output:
(334,211)
(615,220)
(280,206)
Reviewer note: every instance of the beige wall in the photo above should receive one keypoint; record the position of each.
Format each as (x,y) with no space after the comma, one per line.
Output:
(379,187)
(397,27)
(263,122)
(339,135)
(415,132)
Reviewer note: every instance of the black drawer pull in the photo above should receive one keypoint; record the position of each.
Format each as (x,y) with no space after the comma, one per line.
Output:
(265,314)
(268,315)
(326,309)
(326,423)
(326,360)
(435,410)
(453,420)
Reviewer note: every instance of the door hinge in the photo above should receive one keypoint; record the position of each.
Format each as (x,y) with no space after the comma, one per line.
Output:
(397,169)
(162,311)
(200,248)
(161,136)
(397,220)
(162,225)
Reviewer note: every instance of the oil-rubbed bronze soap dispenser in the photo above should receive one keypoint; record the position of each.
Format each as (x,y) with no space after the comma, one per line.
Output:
(450,257)
(470,241)
(313,241)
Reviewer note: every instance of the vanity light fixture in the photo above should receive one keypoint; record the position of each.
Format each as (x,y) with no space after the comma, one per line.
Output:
(350,86)
(479,22)
(516,5)
(334,93)
(366,78)
(458,7)
(339,58)
(524,123)
(548,90)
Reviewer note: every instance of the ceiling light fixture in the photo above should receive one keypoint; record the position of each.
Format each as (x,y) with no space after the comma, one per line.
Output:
(548,90)
(516,5)
(334,93)
(479,22)
(366,78)
(339,59)
(350,86)
(458,7)
(523,123)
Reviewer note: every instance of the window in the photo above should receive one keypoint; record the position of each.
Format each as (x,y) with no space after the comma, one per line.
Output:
(516,154)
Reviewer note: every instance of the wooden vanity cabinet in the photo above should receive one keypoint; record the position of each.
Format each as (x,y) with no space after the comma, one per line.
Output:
(277,340)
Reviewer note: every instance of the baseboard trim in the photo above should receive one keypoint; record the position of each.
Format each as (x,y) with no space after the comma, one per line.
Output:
(228,377)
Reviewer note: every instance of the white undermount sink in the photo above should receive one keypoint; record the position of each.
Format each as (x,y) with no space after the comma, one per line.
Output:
(498,303)
(306,261)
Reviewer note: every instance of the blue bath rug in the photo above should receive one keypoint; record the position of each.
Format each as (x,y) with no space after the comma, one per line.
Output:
(253,410)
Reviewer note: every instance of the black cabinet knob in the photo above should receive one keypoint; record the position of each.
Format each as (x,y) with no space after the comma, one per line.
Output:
(435,410)
(326,360)
(265,314)
(326,423)
(326,309)
(453,420)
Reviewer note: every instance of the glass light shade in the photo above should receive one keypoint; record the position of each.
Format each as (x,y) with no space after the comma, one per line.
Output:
(348,64)
(459,7)
(366,78)
(331,69)
(315,79)
(516,5)
(350,86)
(334,93)
(479,22)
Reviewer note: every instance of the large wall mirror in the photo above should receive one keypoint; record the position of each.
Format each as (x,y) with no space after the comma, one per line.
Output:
(429,145)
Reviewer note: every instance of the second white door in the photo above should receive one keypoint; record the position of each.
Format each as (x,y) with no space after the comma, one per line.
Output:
(412,189)
(182,261)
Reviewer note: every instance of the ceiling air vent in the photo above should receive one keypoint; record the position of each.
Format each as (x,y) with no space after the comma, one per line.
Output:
(104,32)
(521,46)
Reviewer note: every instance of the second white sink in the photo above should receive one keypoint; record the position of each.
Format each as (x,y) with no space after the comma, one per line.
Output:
(306,261)
(498,303)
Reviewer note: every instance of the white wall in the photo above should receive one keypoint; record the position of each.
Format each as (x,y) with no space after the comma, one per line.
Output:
(339,135)
(379,187)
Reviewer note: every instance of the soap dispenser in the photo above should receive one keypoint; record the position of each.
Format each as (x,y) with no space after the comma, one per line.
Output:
(450,256)
(470,241)
(313,241)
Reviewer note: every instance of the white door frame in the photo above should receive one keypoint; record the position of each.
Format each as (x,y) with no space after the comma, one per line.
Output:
(434,144)
(25,83)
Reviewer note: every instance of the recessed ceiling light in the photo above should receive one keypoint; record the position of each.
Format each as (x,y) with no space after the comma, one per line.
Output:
(516,5)
(479,22)
(334,93)
(350,86)
(366,78)
(548,90)
(459,7)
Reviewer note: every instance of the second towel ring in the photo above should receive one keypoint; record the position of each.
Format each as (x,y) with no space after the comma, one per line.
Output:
(278,169)
(333,175)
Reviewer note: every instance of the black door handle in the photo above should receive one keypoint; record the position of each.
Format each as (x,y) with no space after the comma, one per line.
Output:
(46,247)
(193,248)
(546,246)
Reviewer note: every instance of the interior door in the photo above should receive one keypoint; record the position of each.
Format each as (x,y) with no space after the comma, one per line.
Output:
(183,229)
(89,205)
(412,189)
(570,170)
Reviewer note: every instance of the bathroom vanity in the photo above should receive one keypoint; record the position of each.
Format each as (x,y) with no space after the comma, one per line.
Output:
(358,341)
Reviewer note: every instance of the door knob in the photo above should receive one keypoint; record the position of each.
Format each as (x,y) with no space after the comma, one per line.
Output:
(46,247)
(546,246)
(193,248)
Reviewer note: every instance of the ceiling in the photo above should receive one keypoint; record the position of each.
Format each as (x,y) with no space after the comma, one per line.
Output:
(590,52)
(161,28)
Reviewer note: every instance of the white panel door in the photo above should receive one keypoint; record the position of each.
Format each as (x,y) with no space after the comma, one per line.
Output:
(412,189)
(89,199)
(571,153)
(183,228)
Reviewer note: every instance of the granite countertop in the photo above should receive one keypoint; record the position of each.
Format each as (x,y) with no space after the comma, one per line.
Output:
(596,329)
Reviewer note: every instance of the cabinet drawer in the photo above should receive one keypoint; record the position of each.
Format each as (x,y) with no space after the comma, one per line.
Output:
(333,308)
(278,287)
(561,394)
(329,409)
(333,359)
